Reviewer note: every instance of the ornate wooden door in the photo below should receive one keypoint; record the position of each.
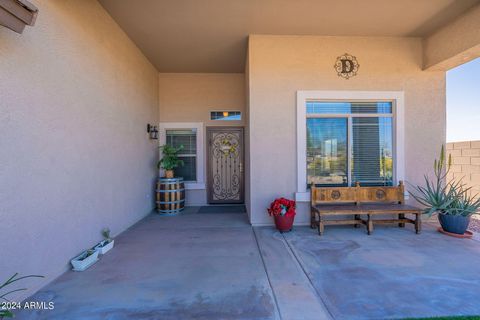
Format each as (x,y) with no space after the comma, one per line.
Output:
(225,165)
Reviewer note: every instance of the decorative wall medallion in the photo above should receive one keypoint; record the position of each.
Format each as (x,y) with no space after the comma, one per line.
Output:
(346,66)
(380,194)
(335,195)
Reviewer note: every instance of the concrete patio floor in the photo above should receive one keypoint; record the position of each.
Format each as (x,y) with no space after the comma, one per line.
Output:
(216,266)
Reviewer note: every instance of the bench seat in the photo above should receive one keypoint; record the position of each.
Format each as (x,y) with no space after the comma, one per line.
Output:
(376,208)
(362,203)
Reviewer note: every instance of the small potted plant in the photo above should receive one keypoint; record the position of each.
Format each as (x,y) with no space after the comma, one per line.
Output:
(451,200)
(106,244)
(84,260)
(170,160)
(283,212)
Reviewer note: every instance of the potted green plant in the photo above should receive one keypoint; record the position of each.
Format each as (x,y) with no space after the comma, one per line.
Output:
(451,200)
(170,160)
(106,244)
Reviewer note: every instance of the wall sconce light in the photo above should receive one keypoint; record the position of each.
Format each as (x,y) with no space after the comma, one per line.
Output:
(152,131)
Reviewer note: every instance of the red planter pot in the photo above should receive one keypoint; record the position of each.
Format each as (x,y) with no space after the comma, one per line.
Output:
(284,223)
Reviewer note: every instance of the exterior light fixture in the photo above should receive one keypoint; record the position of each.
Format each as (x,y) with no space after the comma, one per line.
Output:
(152,131)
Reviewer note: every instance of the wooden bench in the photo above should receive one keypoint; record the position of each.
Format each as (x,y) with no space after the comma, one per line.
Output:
(361,201)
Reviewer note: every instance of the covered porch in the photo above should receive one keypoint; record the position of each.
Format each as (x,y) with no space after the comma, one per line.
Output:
(266,99)
(217,266)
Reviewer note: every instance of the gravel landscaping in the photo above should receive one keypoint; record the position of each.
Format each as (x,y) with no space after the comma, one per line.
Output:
(475,224)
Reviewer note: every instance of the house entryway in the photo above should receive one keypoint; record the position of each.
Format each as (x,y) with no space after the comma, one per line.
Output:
(225,174)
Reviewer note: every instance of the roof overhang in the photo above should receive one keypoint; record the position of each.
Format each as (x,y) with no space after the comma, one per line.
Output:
(16,14)
(211,35)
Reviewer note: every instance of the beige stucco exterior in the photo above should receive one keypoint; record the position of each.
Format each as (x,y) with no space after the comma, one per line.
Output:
(455,43)
(75,97)
(279,66)
(189,98)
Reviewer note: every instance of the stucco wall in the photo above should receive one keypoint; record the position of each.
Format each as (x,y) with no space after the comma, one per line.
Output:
(466,163)
(281,65)
(248,201)
(189,97)
(455,43)
(75,97)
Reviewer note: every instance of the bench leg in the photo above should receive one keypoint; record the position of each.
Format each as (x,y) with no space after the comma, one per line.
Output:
(401,224)
(313,220)
(321,226)
(369,224)
(418,223)
(357,217)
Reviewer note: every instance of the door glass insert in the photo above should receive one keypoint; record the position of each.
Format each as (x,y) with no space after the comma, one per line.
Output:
(226,168)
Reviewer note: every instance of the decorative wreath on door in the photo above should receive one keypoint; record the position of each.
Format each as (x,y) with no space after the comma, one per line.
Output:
(227,147)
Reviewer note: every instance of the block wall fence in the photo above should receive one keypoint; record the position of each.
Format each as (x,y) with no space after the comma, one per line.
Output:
(466,162)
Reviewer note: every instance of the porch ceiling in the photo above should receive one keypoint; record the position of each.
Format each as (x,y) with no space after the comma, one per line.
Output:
(211,35)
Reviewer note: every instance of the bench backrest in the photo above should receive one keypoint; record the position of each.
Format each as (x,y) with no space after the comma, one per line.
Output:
(357,194)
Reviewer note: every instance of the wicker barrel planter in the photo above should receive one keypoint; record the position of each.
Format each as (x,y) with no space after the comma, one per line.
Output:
(170,196)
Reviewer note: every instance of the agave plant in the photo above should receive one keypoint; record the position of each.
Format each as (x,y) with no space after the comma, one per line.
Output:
(445,197)
(465,204)
(3,296)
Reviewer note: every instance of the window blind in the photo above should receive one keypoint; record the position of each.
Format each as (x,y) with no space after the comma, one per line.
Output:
(349,141)
(372,160)
(322,107)
(187,139)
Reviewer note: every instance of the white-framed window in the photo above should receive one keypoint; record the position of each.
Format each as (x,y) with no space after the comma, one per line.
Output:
(344,137)
(190,135)
(186,139)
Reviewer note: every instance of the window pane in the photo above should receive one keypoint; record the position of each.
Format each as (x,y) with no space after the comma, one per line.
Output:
(226,115)
(319,107)
(189,171)
(188,139)
(327,151)
(185,138)
(372,162)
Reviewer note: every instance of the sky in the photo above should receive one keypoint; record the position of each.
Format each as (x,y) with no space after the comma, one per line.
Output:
(463,102)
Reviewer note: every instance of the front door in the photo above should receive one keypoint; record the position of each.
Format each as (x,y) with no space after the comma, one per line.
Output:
(225,165)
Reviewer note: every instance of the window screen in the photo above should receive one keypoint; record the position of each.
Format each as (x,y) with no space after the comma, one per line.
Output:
(350,142)
(187,139)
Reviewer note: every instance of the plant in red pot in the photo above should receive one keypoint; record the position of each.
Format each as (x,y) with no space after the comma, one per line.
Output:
(283,211)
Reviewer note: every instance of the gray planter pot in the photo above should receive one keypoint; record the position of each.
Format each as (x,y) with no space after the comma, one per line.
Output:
(454,224)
